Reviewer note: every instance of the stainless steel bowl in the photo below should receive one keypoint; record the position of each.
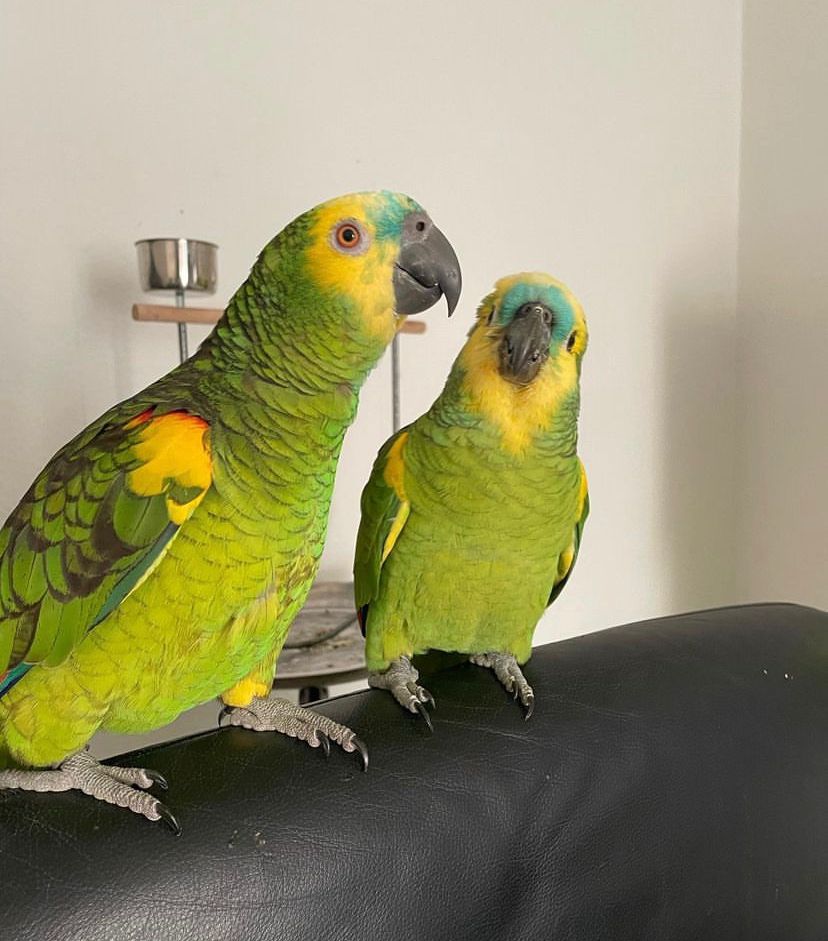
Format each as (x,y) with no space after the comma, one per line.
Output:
(177,264)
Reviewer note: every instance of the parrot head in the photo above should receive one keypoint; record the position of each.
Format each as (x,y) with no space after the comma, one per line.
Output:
(529,327)
(371,258)
(522,360)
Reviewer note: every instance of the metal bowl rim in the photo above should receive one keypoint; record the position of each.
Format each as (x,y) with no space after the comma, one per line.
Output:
(164,239)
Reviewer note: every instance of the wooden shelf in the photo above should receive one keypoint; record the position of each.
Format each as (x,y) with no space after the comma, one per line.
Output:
(161,313)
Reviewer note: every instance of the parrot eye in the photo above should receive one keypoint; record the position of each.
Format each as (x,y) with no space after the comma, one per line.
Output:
(570,343)
(348,237)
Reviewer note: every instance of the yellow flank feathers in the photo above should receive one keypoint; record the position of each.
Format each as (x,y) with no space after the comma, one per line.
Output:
(243,693)
(173,448)
(396,529)
(565,560)
(394,476)
(259,681)
(567,557)
(583,490)
(367,278)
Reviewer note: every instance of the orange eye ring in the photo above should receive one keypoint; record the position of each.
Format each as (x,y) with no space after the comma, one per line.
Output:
(347,236)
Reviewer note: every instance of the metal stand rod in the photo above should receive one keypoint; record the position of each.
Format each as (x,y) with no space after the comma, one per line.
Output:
(395,383)
(183,353)
(309,694)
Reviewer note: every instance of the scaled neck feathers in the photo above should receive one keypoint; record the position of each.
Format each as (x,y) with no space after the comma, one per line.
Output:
(280,332)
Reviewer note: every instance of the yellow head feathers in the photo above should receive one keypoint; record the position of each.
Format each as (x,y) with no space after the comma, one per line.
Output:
(522,359)
(353,244)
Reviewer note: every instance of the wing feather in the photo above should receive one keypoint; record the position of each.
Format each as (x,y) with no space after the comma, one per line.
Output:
(92,525)
(566,561)
(385,509)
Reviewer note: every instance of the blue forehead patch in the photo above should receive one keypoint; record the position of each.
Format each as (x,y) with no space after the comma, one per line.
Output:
(389,215)
(549,295)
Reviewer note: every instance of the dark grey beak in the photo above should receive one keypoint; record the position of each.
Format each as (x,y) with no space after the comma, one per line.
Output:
(524,347)
(427,267)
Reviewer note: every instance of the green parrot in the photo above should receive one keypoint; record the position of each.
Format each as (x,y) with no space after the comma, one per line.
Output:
(159,558)
(473,514)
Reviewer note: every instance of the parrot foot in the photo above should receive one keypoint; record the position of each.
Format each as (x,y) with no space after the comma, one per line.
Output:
(281,715)
(400,679)
(103,782)
(506,669)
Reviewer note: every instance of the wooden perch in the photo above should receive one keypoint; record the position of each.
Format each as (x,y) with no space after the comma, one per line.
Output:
(161,313)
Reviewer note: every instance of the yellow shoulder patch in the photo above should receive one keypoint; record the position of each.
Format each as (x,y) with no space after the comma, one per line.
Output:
(394,472)
(394,476)
(174,449)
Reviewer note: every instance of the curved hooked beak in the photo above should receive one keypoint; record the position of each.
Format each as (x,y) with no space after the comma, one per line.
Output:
(426,267)
(524,345)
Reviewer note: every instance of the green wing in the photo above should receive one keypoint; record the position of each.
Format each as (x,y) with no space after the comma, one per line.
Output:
(384,512)
(91,526)
(566,561)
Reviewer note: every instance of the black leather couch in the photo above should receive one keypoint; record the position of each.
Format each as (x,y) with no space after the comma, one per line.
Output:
(672,784)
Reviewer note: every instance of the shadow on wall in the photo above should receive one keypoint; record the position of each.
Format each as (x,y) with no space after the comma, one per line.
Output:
(701,435)
(133,354)
(784,463)
(108,286)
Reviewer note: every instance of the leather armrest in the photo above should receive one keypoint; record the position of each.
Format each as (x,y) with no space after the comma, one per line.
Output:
(671,784)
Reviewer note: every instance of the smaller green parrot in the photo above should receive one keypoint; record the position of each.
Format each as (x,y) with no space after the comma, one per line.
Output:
(473,514)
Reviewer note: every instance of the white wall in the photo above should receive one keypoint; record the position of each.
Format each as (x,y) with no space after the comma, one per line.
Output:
(596,140)
(783,303)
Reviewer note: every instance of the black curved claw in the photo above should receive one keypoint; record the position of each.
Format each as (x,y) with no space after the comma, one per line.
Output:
(363,751)
(530,708)
(167,816)
(424,713)
(157,778)
(325,742)
(429,699)
(223,714)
